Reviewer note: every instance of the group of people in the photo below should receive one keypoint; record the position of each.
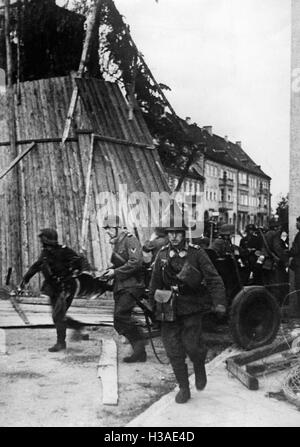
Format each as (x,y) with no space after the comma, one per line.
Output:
(177,277)
(263,257)
(182,277)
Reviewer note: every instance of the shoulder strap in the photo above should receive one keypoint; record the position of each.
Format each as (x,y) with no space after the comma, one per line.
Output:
(269,251)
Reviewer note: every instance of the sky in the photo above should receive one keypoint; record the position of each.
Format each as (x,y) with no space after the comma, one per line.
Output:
(227,63)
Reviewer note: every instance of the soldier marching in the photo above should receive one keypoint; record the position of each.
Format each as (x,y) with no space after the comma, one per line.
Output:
(184,282)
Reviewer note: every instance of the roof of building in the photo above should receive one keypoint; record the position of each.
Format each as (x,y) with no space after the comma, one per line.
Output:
(222,151)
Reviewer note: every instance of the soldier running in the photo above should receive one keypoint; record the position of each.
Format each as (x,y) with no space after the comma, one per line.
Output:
(58,264)
(179,273)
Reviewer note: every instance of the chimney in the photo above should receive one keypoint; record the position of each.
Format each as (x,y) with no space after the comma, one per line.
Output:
(188,120)
(208,129)
(238,143)
(226,138)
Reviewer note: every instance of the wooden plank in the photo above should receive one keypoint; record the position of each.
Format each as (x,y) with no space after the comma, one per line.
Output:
(272,367)
(124,142)
(19,310)
(11,322)
(243,376)
(85,214)
(3,349)
(16,160)
(85,51)
(108,372)
(264,351)
(39,140)
(77,302)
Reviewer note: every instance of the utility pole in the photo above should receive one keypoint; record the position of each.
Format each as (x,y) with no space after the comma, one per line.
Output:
(15,243)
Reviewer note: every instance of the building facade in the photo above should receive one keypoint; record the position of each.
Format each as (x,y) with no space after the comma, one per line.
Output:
(236,190)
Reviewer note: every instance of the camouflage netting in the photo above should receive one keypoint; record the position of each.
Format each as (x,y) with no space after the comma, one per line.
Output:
(48,46)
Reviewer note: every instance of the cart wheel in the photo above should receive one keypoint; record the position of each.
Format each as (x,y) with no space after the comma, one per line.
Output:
(254,317)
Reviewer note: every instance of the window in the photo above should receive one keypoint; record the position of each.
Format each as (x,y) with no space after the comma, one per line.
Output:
(215,196)
(243,178)
(244,199)
(265,185)
(210,195)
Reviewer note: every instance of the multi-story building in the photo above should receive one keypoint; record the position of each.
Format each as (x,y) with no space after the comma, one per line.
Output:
(228,186)
(242,188)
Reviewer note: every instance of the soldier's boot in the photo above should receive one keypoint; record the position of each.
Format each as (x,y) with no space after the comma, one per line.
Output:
(59,346)
(181,374)
(61,340)
(200,372)
(139,353)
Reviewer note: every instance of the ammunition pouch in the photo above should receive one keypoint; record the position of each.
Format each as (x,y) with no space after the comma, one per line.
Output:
(190,276)
(165,305)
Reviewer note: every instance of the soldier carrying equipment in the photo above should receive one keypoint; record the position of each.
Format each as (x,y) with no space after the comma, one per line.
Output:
(58,264)
(182,274)
(128,286)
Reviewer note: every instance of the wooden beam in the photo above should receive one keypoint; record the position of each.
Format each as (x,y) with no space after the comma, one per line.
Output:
(16,161)
(123,142)
(18,309)
(84,58)
(14,217)
(108,372)
(40,140)
(3,349)
(109,139)
(273,366)
(243,376)
(264,351)
(235,363)
(85,215)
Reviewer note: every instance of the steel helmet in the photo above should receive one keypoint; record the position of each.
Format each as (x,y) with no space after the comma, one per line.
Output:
(49,236)
(250,227)
(226,229)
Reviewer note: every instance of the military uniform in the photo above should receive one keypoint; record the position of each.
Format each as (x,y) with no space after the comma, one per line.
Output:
(295,265)
(129,284)
(150,250)
(57,263)
(271,250)
(248,246)
(184,335)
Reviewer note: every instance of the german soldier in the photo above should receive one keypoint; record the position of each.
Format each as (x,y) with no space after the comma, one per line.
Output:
(150,249)
(177,293)
(127,273)
(249,245)
(58,264)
